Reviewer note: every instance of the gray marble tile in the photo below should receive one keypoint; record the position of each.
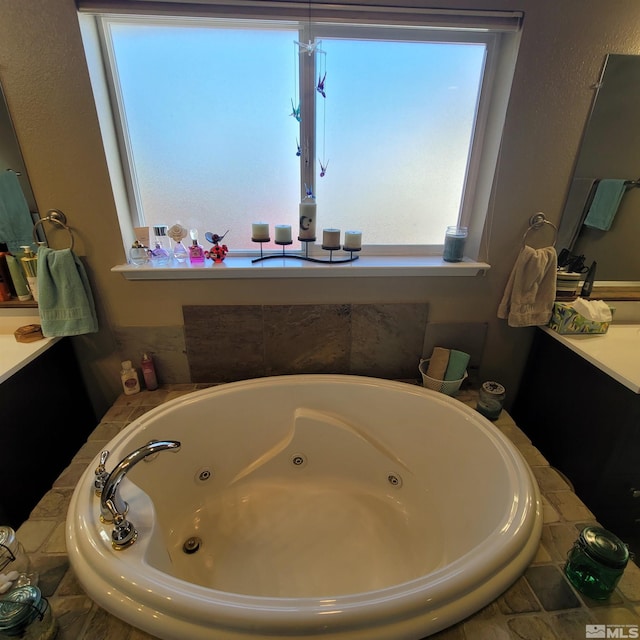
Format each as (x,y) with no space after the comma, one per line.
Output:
(103,626)
(386,339)
(551,588)
(71,614)
(166,345)
(307,338)
(532,628)
(572,625)
(224,343)
(518,599)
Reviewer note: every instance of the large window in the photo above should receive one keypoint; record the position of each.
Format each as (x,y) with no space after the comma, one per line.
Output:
(225,122)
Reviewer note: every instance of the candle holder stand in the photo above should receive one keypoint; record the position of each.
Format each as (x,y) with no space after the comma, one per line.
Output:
(306,257)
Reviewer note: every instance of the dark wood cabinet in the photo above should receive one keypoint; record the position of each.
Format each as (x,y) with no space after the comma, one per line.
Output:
(587,425)
(45,417)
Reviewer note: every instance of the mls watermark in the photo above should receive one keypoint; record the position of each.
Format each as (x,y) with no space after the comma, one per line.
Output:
(612,631)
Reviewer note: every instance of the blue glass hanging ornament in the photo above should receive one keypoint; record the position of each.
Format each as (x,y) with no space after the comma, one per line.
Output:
(320,88)
(323,168)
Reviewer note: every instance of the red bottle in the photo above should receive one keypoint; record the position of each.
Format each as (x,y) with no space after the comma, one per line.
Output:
(149,372)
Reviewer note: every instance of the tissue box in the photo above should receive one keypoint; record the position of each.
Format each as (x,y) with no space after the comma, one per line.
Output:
(566,320)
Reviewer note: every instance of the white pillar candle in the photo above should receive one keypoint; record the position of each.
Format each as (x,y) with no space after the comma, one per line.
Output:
(283,233)
(331,238)
(352,240)
(260,231)
(307,221)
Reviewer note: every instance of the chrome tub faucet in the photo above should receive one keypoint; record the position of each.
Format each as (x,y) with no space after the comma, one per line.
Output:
(112,507)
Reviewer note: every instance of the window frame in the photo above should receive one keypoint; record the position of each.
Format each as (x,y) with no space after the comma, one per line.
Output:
(500,53)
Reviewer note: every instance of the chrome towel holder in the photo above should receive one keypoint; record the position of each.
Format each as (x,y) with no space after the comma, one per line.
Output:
(56,217)
(537,221)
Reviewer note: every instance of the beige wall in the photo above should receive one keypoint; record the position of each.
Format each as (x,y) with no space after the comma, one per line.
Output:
(44,75)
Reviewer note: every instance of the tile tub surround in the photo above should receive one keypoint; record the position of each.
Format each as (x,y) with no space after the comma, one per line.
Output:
(541,604)
(235,342)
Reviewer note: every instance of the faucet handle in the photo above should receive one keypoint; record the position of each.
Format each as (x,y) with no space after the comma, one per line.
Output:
(101,474)
(124,534)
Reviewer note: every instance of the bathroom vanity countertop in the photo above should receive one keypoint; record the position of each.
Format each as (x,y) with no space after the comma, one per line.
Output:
(616,352)
(13,354)
(541,605)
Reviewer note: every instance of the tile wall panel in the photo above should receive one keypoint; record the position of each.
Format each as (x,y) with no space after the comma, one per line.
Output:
(226,343)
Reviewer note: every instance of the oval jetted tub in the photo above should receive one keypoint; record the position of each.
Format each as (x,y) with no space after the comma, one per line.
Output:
(309,505)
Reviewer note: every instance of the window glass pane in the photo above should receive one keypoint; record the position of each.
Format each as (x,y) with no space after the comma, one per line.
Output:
(394,133)
(207,118)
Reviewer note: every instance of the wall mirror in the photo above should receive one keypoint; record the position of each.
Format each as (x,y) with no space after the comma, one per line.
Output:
(11,160)
(610,149)
(10,154)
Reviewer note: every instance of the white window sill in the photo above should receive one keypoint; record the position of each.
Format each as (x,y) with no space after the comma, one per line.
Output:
(364,266)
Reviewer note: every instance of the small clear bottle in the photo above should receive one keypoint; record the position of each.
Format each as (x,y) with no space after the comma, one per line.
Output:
(161,253)
(25,613)
(138,253)
(177,233)
(196,252)
(596,562)
(129,377)
(14,560)
(180,252)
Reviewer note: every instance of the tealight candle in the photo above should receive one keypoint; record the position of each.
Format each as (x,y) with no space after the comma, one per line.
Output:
(283,234)
(307,221)
(331,238)
(352,240)
(260,231)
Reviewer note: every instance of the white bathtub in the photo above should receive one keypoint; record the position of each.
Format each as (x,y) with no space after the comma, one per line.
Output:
(326,505)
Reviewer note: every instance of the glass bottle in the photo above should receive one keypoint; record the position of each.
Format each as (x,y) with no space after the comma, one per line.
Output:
(25,613)
(596,562)
(196,252)
(454,241)
(180,252)
(177,233)
(138,253)
(15,566)
(491,399)
(160,254)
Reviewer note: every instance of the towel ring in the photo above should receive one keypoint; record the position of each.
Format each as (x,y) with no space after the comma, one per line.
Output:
(56,217)
(535,222)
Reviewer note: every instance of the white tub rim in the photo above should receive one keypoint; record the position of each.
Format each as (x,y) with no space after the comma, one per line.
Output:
(283,615)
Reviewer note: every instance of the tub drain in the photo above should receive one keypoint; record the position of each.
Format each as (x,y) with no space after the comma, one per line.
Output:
(394,480)
(191,545)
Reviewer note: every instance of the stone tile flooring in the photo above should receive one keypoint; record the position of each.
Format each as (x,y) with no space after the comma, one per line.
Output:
(541,605)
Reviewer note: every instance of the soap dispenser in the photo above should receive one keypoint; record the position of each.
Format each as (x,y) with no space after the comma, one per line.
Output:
(196,252)
(129,377)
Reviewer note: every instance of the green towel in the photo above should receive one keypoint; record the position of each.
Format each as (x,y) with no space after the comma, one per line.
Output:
(16,223)
(605,204)
(458,361)
(65,300)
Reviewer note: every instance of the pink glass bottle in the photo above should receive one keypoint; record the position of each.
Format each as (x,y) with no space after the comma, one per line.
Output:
(196,252)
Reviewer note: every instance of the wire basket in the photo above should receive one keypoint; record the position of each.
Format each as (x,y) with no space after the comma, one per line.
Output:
(448,387)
